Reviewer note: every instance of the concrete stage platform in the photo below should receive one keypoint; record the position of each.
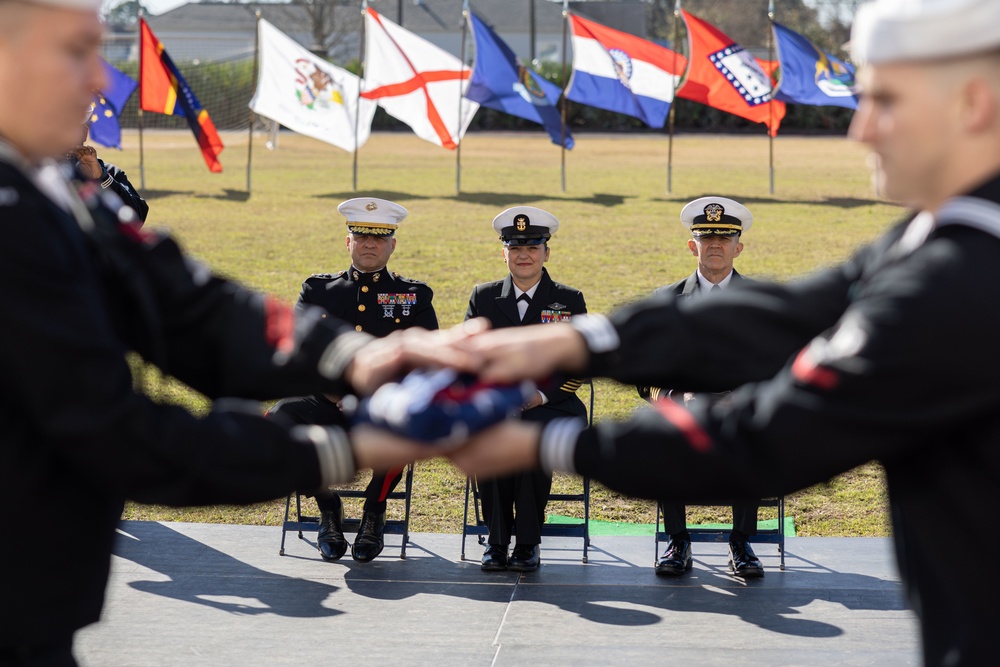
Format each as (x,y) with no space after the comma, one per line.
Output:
(197,594)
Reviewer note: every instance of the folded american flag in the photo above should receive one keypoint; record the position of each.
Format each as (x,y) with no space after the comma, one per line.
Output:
(441,406)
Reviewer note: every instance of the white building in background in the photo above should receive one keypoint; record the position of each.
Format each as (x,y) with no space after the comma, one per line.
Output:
(218,31)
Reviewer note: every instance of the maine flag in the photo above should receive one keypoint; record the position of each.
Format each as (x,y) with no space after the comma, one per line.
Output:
(499,81)
(162,89)
(809,75)
(108,105)
(620,72)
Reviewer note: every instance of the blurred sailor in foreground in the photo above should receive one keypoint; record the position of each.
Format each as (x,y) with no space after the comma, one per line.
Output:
(81,286)
(378,302)
(514,505)
(889,356)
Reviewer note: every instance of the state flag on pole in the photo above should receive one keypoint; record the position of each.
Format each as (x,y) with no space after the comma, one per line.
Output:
(162,89)
(725,76)
(416,82)
(307,94)
(809,75)
(500,81)
(108,104)
(621,72)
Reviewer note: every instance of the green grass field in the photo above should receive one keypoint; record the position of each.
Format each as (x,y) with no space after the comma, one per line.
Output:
(620,237)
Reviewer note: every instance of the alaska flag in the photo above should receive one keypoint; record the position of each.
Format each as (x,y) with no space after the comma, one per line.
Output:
(499,81)
(108,105)
(812,76)
(162,89)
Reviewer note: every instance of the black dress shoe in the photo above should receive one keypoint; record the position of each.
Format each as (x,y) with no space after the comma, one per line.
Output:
(368,542)
(524,558)
(495,558)
(743,562)
(330,539)
(676,558)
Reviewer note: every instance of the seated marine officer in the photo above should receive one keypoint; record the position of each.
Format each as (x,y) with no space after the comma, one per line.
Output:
(377,301)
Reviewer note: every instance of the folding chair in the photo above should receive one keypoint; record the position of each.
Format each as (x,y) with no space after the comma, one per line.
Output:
(579,529)
(764,536)
(311,523)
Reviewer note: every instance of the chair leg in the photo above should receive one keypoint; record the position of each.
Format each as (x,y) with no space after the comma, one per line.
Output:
(406,516)
(288,506)
(465,515)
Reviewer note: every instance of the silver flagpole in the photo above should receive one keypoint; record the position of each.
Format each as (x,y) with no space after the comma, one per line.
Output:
(361,81)
(461,95)
(562,110)
(673,100)
(256,66)
(770,102)
(142,163)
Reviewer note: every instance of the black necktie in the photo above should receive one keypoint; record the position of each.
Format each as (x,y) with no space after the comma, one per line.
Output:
(527,300)
(524,297)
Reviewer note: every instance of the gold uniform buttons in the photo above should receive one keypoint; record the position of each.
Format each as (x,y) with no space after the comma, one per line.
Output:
(323,315)
(397,320)
(361,307)
(357,328)
(364,288)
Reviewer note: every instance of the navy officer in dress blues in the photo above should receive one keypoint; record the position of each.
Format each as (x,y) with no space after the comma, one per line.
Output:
(378,302)
(716,225)
(526,296)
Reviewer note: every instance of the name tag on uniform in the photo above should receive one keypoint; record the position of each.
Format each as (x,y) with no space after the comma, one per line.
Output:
(555,316)
(390,301)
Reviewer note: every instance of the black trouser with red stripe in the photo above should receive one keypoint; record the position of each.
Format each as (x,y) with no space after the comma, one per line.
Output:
(317,409)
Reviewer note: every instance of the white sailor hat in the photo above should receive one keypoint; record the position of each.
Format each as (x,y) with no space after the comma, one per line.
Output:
(82,5)
(716,216)
(371,215)
(525,225)
(903,30)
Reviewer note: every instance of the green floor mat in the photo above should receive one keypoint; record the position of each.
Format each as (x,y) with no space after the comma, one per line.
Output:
(615,528)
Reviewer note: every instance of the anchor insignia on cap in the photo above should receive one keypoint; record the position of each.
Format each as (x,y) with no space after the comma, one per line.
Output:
(521,222)
(713,212)
(371,206)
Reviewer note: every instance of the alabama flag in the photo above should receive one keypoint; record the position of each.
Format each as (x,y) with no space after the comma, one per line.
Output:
(307,94)
(725,76)
(416,82)
(620,72)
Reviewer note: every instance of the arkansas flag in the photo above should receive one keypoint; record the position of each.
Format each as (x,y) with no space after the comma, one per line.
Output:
(416,82)
(725,76)
(620,72)
(307,94)
(162,89)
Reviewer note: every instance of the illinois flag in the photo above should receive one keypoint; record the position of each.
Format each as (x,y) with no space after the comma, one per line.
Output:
(811,76)
(307,94)
(724,75)
(162,89)
(500,81)
(108,104)
(416,82)
(620,72)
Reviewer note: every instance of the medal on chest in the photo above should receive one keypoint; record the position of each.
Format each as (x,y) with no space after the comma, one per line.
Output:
(390,301)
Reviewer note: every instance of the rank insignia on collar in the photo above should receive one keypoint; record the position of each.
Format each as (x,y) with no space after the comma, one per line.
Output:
(521,222)
(557,306)
(713,212)
(371,206)
(375,278)
(355,274)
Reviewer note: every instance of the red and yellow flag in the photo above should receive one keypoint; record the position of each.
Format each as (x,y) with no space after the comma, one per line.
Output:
(162,89)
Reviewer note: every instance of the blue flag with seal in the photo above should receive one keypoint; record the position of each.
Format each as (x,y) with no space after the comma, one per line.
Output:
(810,75)
(499,81)
(108,104)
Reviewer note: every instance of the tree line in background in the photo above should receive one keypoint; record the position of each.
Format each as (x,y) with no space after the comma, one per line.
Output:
(226,87)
